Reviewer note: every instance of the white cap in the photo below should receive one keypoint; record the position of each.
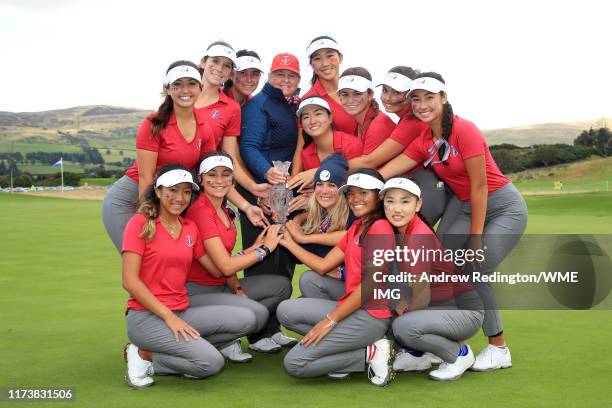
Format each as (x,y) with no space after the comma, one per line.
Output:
(173,177)
(320,44)
(356,82)
(313,100)
(428,84)
(248,61)
(219,50)
(182,71)
(397,81)
(211,162)
(364,181)
(401,183)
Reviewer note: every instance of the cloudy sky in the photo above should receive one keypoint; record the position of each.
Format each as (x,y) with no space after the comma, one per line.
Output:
(506,63)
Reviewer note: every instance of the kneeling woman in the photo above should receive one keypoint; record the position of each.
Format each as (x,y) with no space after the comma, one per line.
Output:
(438,317)
(158,249)
(322,227)
(219,286)
(341,337)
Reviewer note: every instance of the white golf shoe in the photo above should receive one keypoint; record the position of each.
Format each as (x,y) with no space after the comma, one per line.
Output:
(453,371)
(493,358)
(433,358)
(379,356)
(404,361)
(283,340)
(265,345)
(234,353)
(138,372)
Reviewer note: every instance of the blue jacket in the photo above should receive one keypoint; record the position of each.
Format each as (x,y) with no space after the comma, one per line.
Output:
(269,131)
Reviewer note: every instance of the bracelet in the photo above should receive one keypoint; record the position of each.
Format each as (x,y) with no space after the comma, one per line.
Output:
(241,253)
(259,253)
(265,248)
(332,322)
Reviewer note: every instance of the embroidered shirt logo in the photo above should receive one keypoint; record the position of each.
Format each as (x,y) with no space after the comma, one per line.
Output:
(188,241)
(199,144)
(215,114)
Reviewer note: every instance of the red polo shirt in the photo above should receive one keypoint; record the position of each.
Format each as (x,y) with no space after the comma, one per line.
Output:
(223,117)
(348,145)
(210,225)
(408,128)
(343,122)
(378,130)
(171,146)
(465,141)
(349,244)
(165,262)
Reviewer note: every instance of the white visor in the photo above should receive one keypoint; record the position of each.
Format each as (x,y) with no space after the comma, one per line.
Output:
(402,183)
(320,44)
(173,177)
(364,181)
(182,71)
(215,161)
(314,100)
(355,82)
(246,62)
(428,84)
(399,82)
(219,50)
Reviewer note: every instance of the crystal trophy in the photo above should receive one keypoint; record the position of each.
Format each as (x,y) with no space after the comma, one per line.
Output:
(280,195)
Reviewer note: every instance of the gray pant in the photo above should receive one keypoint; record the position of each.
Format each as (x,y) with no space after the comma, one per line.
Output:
(434,194)
(313,285)
(120,204)
(264,293)
(196,357)
(505,222)
(439,329)
(342,350)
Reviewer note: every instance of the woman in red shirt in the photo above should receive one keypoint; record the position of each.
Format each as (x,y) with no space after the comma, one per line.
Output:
(422,325)
(342,336)
(487,211)
(159,246)
(261,294)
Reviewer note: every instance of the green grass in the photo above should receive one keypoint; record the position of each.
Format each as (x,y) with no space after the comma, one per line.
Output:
(97,181)
(7,146)
(62,325)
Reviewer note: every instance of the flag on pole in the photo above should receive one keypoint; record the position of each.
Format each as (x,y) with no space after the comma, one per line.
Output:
(60,162)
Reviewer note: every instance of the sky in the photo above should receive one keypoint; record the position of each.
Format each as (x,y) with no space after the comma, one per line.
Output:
(506,63)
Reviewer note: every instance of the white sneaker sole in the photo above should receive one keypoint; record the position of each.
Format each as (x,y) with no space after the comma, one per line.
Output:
(391,375)
(484,370)
(272,351)
(127,376)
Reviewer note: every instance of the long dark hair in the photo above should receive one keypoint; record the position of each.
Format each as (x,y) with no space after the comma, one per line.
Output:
(164,112)
(322,37)
(378,212)
(227,86)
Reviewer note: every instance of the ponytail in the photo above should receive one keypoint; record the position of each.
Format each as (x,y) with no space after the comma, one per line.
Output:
(149,207)
(162,117)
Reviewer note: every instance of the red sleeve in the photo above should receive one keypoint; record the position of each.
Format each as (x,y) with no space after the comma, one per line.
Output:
(132,242)
(205,221)
(198,247)
(415,150)
(381,227)
(380,129)
(353,149)
(343,242)
(233,126)
(407,130)
(145,139)
(470,140)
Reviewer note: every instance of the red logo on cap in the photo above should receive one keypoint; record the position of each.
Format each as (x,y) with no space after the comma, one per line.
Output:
(285,60)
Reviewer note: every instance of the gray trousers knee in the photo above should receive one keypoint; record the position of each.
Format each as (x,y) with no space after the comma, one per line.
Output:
(439,329)
(120,204)
(434,194)
(342,350)
(505,222)
(196,357)
(313,285)
(264,293)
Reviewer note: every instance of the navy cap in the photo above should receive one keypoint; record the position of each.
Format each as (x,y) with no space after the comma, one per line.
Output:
(334,169)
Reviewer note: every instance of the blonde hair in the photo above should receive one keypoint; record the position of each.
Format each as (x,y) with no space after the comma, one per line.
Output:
(149,207)
(339,214)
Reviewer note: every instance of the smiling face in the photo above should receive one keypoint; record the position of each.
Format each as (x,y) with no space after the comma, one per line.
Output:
(394,101)
(426,106)
(245,82)
(285,80)
(400,207)
(184,92)
(326,63)
(217,70)
(361,201)
(174,200)
(355,102)
(326,194)
(316,120)
(217,182)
